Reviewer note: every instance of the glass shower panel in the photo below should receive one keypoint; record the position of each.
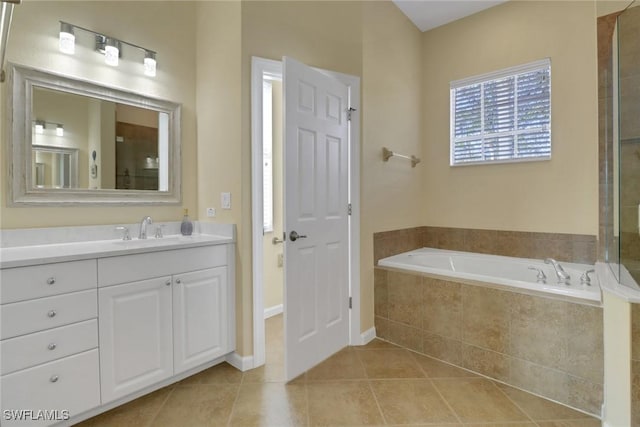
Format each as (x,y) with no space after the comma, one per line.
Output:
(629,144)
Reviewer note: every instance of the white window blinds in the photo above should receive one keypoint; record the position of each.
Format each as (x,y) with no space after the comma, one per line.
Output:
(502,116)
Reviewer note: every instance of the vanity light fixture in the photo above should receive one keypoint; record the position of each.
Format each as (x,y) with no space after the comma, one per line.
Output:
(111,52)
(67,39)
(150,63)
(111,47)
(41,125)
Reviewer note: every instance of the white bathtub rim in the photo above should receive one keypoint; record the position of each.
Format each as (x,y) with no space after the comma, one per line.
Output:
(550,291)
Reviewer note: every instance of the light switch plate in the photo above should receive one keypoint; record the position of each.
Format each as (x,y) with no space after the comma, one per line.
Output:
(211,212)
(225,200)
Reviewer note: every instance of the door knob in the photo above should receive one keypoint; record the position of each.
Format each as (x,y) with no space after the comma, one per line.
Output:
(275,240)
(295,236)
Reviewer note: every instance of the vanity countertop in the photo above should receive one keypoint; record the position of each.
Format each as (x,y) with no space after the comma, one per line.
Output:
(21,256)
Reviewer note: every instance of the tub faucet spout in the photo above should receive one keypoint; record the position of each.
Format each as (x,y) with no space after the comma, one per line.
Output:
(143,227)
(563,276)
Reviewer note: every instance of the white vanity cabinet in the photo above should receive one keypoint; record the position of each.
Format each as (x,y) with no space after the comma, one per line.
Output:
(200,313)
(49,342)
(136,340)
(162,313)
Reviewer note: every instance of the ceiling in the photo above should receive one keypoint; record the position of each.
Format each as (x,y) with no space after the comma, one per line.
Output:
(428,14)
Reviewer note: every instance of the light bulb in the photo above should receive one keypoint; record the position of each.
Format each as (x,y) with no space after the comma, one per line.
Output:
(39,128)
(111,53)
(150,64)
(67,39)
(59,130)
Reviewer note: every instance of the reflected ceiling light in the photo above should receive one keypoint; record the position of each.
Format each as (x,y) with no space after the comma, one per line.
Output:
(59,130)
(150,63)
(111,47)
(40,127)
(111,52)
(67,39)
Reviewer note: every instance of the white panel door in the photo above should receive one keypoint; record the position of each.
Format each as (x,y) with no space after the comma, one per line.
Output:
(200,321)
(136,339)
(316,208)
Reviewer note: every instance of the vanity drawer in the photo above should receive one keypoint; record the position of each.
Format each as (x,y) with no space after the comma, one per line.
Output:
(25,317)
(133,268)
(23,283)
(41,347)
(69,384)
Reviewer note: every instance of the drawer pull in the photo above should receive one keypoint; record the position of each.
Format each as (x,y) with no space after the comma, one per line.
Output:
(168,283)
(51,280)
(52,346)
(52,313)
(54,378)
(178,281)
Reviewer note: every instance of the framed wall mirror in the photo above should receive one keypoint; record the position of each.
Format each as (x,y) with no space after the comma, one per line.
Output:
(77,142)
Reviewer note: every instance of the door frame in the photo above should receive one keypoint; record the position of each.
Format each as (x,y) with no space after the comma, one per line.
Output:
(259,68)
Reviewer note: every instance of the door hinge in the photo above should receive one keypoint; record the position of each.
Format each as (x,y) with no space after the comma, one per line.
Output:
(349,209)
(350,302)
(349,111)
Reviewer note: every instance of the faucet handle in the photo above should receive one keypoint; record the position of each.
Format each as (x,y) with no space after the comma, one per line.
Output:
(159,233)
(541,276)
(585,279)
(125,232)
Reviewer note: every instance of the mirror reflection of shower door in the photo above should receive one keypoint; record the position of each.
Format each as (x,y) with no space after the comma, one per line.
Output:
(629,143)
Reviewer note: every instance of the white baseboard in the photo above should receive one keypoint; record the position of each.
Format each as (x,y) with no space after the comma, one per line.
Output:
(243,363)
(367,336)
(273,311)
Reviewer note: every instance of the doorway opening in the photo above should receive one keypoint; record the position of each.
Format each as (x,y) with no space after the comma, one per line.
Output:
(270,243)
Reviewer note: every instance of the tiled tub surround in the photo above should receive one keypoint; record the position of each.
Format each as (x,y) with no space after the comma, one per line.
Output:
(577,248)
(635,365)
(549,347)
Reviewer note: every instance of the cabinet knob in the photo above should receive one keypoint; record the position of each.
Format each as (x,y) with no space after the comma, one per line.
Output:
(168,283)
(52,313)
(52,346)
(54,378)
(51,280)
(178,281)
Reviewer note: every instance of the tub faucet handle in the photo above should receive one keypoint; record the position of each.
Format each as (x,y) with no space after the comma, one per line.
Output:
(585,279)
(542,278)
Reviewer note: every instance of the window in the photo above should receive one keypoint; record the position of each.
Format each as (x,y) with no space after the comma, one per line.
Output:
(503,116)
(267,157)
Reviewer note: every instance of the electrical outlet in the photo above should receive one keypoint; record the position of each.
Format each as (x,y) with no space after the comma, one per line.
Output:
(280,260)
(211,212)
(225,200)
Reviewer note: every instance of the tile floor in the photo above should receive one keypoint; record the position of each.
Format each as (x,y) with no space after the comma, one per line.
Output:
(378,384)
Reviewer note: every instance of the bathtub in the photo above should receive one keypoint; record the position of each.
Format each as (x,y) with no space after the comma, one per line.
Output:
(498,270)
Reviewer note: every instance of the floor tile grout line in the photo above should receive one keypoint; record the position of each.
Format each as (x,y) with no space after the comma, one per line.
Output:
(435,387)
(164,402)
(521,409)
(375,399)
(235,401)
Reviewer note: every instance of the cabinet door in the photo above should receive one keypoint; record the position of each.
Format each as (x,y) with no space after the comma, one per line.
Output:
(136,340)
(200,324)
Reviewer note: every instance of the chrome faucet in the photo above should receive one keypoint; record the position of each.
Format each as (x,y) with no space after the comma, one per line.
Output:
(143,227)
(563,276)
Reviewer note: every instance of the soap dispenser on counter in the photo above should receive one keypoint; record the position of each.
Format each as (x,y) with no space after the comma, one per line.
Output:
(186,228)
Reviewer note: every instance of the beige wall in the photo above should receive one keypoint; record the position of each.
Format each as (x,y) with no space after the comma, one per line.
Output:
(218,77)
(34,43)
(274,273)
(392,76)
(560,195)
